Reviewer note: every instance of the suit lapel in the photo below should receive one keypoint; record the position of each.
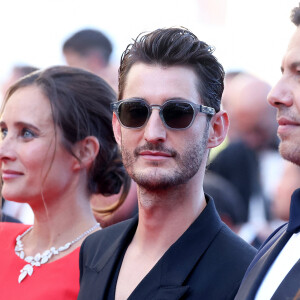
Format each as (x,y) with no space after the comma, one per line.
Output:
(168,293)
(255,276)
(185,253)
(167,279)
(105,267)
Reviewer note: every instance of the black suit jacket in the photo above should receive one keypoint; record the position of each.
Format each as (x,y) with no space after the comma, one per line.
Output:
(261,264)
(207,262)
(266,256)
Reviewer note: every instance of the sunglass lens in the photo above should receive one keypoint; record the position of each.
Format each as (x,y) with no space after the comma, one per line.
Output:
(133,114)
(178,115)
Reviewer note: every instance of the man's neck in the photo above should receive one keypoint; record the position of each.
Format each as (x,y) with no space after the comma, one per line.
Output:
(165,217)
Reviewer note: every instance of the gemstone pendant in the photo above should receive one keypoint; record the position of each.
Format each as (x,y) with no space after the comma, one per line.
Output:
(27,270)
(22,276)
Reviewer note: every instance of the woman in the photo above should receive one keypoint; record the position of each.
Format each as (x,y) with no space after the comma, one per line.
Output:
(57,149)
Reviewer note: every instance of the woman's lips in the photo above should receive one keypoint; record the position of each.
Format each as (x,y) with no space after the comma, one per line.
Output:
(10,174)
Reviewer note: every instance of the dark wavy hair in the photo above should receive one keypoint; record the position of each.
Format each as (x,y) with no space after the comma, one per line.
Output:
(177,46)
(80,103)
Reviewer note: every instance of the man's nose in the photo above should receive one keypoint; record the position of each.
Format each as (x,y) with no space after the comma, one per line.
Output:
(155,130)
(281,93)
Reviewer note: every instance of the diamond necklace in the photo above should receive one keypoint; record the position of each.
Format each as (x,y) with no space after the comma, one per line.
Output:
(40,259)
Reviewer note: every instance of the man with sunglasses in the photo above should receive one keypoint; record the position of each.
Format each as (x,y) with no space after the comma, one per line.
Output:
(167,119)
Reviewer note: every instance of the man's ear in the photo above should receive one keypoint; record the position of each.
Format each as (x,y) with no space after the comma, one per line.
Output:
(117,129)
(86,150)
(218,129)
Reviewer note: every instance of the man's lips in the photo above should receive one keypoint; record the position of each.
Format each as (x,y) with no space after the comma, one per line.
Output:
(282,121)
(154,155)
(285,125)
(10,174)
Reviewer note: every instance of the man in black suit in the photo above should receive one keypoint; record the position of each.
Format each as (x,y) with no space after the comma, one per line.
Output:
(167,119)
(275,271)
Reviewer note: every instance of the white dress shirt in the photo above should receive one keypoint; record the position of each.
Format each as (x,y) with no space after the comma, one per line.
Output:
(284,262)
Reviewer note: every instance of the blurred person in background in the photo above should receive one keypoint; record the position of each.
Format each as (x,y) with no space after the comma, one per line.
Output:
(275,271)
(57,148)
(289,182)
(91,49)
(228,90)
(6,218)
(227,199)
(229,205)
(127,210)
(252,117)
(15,74)
(250,161)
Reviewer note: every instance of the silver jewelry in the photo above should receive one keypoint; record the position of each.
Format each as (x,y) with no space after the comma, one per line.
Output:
(40,259)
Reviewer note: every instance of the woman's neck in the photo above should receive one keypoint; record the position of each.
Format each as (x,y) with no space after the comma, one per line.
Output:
(59,223)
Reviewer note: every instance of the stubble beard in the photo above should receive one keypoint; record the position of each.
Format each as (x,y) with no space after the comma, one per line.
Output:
(188,164)
(289,147)
(290,152)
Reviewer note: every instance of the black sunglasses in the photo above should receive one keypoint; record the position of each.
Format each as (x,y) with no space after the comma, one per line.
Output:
(175,114)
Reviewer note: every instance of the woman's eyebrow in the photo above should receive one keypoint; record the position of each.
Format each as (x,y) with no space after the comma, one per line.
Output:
(25,124)
(21,124)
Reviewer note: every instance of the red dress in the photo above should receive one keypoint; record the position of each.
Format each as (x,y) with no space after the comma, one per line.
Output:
(58,280)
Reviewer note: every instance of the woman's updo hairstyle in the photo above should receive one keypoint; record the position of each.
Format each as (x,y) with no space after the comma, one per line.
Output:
(80,103)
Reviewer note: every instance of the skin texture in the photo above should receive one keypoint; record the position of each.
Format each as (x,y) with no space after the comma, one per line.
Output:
(173,163)
(29,143)
(285,97)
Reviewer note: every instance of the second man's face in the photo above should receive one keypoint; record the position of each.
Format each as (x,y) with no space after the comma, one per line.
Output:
(154,156)
(285,96)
